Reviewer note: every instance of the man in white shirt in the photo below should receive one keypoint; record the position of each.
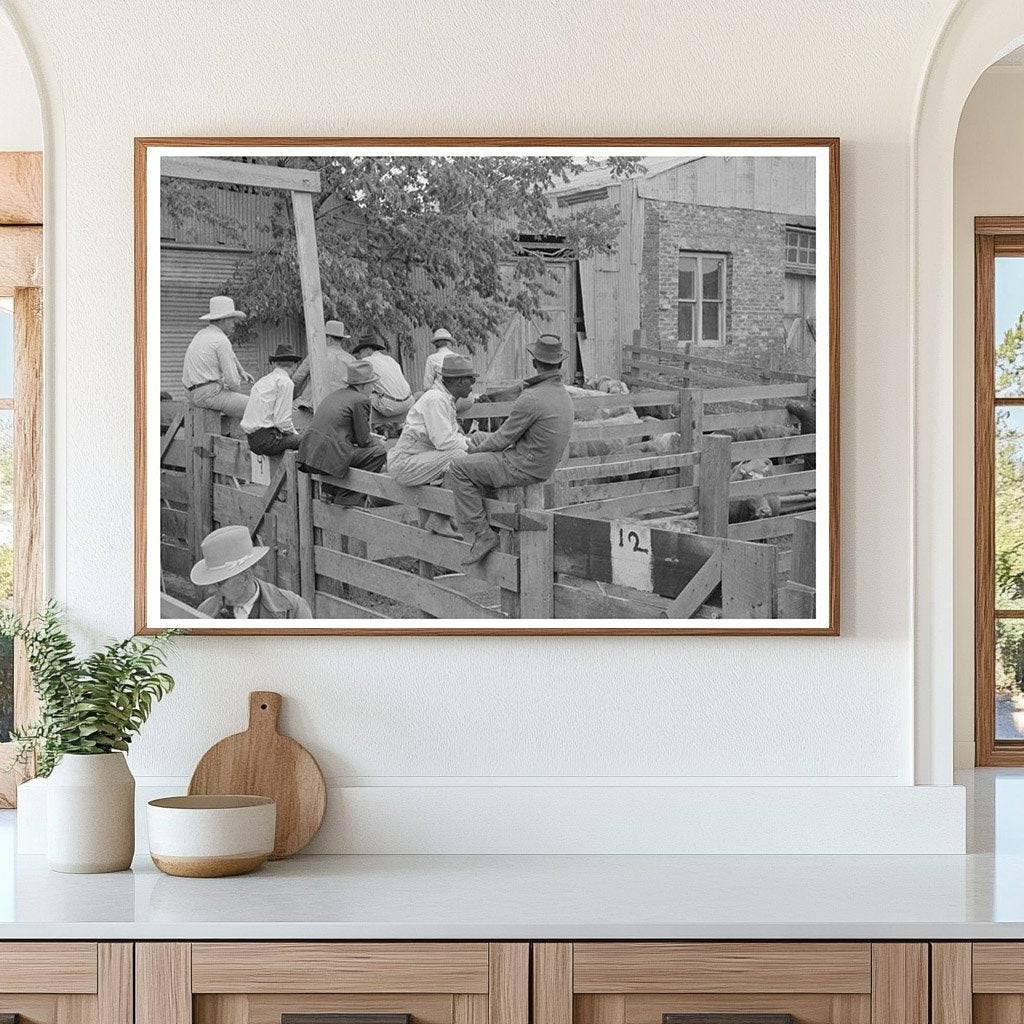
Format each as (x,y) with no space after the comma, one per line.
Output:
(392,396)
(431,437)
(432,370)
(211,373)
(267,420)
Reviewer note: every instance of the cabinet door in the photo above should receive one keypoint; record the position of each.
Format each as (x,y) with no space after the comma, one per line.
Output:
(66,982)
(981,982)
(747,982)
(332,983)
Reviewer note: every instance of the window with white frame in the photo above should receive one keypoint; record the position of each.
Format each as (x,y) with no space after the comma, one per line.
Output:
(801,249)
(701,298)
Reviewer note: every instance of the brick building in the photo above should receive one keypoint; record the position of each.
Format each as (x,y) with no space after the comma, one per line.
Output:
(714,251)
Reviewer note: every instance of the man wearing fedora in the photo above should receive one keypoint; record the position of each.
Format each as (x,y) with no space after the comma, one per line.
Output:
(227,567)
(211,372)
(267,420)
(392,396)
(432,371)
(340,437)
(431,437)
(338,360)
(524,450)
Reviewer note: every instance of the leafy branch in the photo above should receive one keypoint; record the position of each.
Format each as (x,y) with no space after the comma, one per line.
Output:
(90,705)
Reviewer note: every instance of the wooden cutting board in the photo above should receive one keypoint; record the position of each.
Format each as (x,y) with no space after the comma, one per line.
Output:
(262,762)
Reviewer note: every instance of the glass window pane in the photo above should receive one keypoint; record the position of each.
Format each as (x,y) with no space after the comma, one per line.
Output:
(6,349)
(712,279)
(1009,679)
(710,327)
(686,311)
(687,277)
(1009,326)
(6,567)
(1009,514)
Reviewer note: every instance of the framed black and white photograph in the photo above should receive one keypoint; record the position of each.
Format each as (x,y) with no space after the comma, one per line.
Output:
(443,386)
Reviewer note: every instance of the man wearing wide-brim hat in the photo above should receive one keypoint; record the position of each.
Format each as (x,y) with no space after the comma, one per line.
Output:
(335,369)
(392,396)
(524,450)
(267,420)
(227,568)
(211,373)
(340,437)
(431,437)
(442,341)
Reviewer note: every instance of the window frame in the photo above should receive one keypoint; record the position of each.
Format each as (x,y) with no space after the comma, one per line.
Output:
(21,260)
(800,231)
(993,237)
(698,300)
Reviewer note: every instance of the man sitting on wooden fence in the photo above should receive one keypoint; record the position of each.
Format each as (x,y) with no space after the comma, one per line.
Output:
(392,396)
(211,372)
(432,368)
(524,450)
(267,421)
(340,437)
(335,375)
(431,437)
(227,567)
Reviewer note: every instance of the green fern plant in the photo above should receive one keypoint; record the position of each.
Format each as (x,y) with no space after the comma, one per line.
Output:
(90,705)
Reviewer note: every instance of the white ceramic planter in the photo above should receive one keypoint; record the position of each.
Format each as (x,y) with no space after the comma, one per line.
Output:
(90,814)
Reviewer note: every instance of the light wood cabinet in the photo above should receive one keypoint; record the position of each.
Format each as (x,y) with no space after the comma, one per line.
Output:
(260,982)
(646,982)
(66,982)
(979,982)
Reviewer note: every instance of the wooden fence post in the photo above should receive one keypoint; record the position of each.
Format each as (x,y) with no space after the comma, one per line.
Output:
(537,562)
(804,550)
(713,494)
(307,568)
(691,420)
(510,599)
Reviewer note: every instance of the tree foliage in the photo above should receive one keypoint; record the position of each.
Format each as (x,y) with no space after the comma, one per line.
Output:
(90,705)
(410,241)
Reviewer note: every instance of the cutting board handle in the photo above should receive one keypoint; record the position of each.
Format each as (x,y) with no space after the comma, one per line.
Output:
(264,710)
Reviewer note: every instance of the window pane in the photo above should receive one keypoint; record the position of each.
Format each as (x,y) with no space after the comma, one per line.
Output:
(1009,326)
(6,563)
(710,327)
(1009,486)
(687,277)
(686,311)
(6,349)
(712,279)
(1009,679)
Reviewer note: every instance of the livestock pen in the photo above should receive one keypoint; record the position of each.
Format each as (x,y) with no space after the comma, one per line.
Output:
(640,530)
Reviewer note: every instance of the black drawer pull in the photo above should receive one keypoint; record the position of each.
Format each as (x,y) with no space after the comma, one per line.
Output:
(339,1018)
(728,1018)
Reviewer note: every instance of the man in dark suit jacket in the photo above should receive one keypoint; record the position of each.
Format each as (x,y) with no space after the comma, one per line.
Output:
(340,437)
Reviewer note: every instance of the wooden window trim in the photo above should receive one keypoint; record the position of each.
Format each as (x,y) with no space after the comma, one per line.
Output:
(21,267)
(698,300)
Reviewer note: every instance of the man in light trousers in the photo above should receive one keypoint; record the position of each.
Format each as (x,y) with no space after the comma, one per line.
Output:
(211,372)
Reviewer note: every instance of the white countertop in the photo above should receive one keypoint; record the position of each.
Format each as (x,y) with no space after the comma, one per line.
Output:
(531,897)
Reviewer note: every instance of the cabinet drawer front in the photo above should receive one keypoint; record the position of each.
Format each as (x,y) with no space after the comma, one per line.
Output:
(721,967)
(56,967)
(998,967)
(339,967)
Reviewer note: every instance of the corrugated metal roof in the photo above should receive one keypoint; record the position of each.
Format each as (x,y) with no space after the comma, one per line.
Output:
(598,177)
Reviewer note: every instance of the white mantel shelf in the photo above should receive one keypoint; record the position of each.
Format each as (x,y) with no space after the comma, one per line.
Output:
(531,897)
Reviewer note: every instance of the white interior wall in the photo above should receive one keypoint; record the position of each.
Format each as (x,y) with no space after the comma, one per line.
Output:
(432,718)
(987,181)
(21,123)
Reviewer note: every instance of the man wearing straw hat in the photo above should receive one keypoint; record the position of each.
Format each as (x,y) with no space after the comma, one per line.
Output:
(340,437)
(432,369)
(211,372)
(335,375)
(431,437)
(524,450)
(227,567)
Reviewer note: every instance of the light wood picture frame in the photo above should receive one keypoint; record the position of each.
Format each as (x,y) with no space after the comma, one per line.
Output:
(638,538)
